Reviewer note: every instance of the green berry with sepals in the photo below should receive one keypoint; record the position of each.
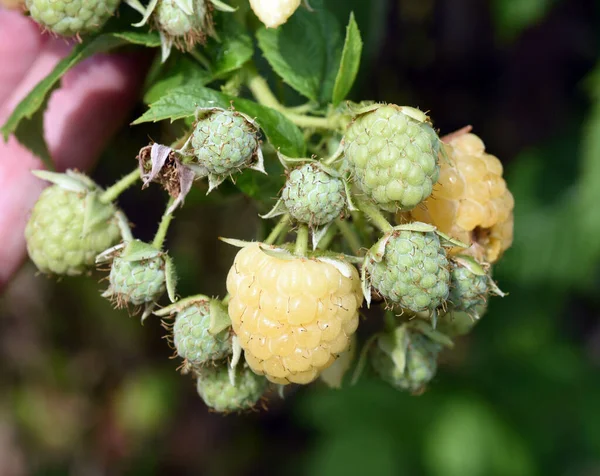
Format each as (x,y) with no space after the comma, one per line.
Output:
(201,331)
(409,267)
(225,394)
(313,195)
(70,224)
(72,17)
(392,152)
(223,142)
(180,23)
(406,358)
(470,285)
(139,275)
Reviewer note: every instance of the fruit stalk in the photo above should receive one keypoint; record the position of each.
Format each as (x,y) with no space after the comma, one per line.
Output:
(120,186)
(275,232)
(263,94)
(301,241)
(374,214)
(163,227)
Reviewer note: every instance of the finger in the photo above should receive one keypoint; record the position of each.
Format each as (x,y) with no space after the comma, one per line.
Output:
(20,44)
(93,101)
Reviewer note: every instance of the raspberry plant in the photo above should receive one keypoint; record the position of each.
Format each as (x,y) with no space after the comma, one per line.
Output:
(335,174)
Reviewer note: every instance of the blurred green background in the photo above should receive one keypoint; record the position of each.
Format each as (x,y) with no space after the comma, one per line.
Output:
(88,391)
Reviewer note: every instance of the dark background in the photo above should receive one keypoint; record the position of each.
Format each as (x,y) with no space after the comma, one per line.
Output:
(87,390)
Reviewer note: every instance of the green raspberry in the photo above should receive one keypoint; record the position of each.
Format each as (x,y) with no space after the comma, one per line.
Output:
(224,142)
(185,29)
(72,17)
(420,363)
(413,272)
(313,196)
(137,282)
(58,238)
(215,388)
(393,156)
(467,290)
(192,338)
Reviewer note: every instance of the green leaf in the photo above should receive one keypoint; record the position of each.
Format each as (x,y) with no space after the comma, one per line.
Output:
(305,52)
(149,39)
(350,62)
(26,120)
(183,102)
(281,132)
(232,51)
(178,71)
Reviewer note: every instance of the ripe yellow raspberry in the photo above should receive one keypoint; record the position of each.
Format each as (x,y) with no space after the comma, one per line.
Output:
(293,317)
(470,202)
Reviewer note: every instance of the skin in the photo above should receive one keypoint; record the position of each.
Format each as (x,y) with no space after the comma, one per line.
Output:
(92,102)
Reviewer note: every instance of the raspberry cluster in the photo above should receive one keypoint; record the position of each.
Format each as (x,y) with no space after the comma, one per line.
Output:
(400,219)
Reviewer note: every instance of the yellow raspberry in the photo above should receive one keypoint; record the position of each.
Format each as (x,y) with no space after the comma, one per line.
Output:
(470,202)
(292,317)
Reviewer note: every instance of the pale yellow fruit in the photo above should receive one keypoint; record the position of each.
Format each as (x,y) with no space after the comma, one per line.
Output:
(292,317)
(470,201)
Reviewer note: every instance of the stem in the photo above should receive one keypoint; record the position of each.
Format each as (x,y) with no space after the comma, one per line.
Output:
(306,107)
(119,187)
(275,232)
(226,299)
(374,214)
(301,241)
(263,94)
(163,227)
(349,235)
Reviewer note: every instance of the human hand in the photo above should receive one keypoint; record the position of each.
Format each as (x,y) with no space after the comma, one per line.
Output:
(92,102)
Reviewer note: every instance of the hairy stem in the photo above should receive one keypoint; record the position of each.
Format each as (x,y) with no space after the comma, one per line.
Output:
(301,241)
(374,214)
(276,231)
(163,227)
(120,186)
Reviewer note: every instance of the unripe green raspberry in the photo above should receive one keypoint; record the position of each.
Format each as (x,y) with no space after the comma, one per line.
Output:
(313,196)
(137,282)
(414,270)
(416,367)
(224,141)
(186,30)
(67,229)
(392,152)
(192,338)
(467,290)
(72,17)
(215,388)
